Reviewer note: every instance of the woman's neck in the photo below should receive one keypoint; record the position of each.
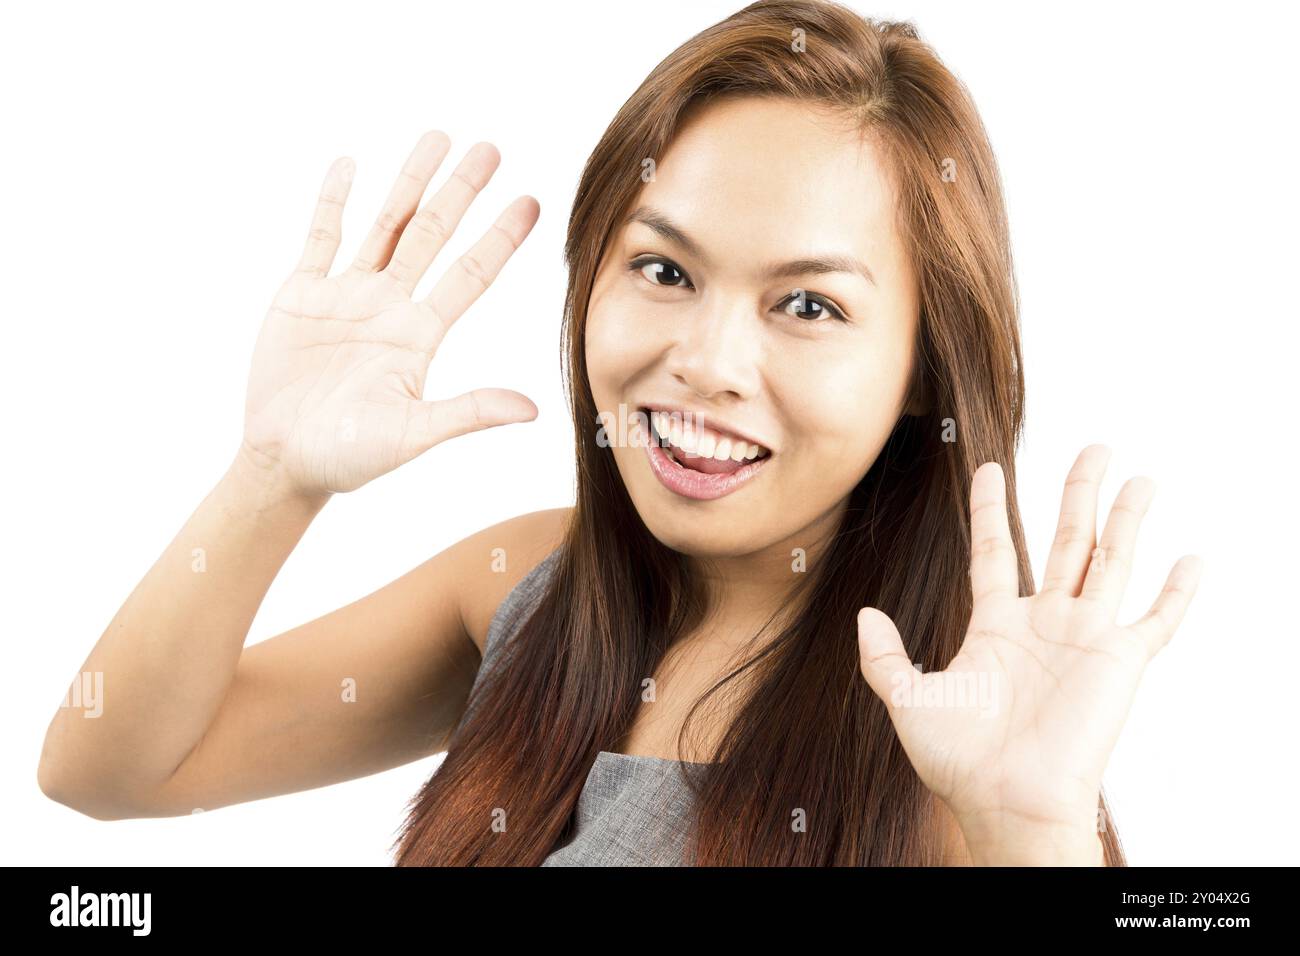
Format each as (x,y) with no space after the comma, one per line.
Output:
(745,591)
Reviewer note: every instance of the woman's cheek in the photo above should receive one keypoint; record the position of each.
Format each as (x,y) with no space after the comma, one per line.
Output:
(848,417)
(606,353)
(614,332)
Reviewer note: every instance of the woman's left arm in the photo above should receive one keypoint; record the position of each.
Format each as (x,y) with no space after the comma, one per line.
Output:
(1014,734)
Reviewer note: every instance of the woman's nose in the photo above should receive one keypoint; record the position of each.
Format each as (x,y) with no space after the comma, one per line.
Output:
(718,351)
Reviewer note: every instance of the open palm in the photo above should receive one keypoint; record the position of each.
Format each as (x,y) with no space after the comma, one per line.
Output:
(1018,729)
(335,390)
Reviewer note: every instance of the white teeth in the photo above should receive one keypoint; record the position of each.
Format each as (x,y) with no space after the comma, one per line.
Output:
(702,441)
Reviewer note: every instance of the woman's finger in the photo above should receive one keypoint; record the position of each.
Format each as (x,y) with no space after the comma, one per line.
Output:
(473,272)
(882,658)
(1157,626)
(327,221)
(1076,528)
(1112,559)
(430,423)
(993,567)
(402,201)
(433,225)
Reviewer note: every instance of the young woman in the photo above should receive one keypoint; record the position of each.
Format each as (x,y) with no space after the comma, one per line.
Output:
(794,367)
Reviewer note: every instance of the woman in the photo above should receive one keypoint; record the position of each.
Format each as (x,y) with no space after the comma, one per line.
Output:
(794,368)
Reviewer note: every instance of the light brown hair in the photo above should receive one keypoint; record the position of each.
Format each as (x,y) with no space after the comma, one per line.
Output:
(811,735)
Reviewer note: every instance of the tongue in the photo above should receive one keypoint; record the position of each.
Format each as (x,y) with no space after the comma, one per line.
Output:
(710,466)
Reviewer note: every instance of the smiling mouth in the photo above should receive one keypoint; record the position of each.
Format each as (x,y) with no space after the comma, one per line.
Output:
(701,449)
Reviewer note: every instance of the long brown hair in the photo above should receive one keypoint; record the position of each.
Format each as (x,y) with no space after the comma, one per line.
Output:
(811,736)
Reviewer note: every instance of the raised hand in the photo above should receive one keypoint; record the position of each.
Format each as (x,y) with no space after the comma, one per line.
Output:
(335,392)
(1015,733)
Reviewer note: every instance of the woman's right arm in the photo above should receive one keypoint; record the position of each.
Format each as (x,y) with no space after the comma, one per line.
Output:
(187,718)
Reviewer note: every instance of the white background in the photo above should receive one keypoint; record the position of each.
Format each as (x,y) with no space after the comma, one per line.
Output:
(157,183)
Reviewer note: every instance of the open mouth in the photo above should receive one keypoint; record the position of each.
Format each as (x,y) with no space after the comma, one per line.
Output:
(700,448)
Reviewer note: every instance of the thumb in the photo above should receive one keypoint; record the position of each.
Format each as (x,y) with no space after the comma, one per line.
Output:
(429,423)
(884,661)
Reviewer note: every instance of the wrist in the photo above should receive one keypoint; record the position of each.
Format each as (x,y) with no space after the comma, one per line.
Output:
(260,482)
(1033,844)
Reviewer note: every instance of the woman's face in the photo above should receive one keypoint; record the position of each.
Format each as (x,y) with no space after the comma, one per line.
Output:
(761,285)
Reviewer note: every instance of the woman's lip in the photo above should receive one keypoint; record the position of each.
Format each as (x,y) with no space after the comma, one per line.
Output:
(696,484)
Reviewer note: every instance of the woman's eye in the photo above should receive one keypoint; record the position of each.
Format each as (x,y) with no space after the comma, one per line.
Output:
(808,307)
(660,269)
(804,305)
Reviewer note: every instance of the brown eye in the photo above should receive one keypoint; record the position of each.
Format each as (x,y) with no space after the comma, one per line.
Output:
(810,307)
(658,270)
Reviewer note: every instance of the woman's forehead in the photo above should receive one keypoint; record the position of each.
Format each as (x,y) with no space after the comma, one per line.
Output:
(769,180)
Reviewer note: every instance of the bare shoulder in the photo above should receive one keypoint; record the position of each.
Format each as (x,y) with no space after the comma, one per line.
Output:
(492,561)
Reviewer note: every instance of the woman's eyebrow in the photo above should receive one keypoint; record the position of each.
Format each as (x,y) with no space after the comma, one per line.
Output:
(807,265)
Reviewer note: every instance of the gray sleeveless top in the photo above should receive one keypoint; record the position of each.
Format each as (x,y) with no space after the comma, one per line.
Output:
(633,811)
